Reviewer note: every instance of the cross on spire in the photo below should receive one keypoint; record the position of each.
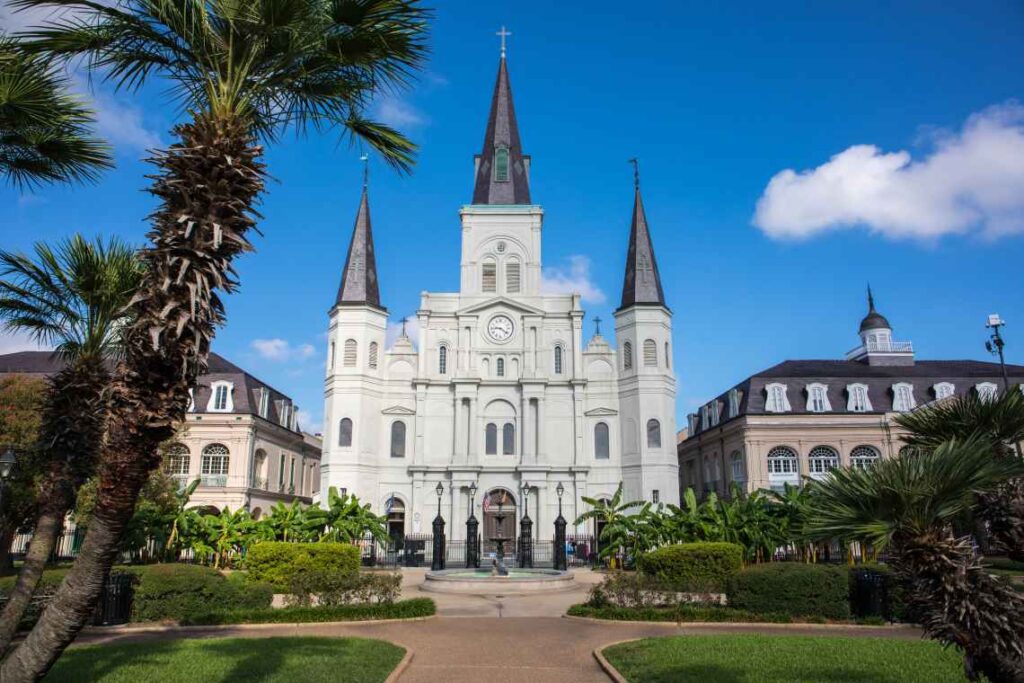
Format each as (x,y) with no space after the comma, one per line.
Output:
(404,321)
(365,158)
(597,326)
(636,172)
(503,33)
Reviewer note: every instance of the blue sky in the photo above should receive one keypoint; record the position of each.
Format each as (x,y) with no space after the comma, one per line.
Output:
(900,122)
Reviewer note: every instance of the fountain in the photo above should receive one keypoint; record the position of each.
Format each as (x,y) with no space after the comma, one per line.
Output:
(498,579)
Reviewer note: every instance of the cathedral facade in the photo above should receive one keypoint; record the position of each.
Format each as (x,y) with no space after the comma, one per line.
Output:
(500,393)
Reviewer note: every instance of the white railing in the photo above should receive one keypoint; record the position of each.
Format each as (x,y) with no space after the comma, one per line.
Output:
(219,480)
(881,347)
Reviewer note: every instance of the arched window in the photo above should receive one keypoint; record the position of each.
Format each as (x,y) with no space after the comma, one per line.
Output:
(863,457)
(221,399)
(558,360)
(398,439)
(508,439)
(499,366)
(777,400)
(817,398)
(653,434)
(349,357)
(258,469)
(345,433)
(490,276)
(903,396)
(214,465)
(501,165)
(442,359)
(330,358)
(858,401)
(372,360)
(513,277)
(177,461)
(783,467)
(736,464)
(491,439)
(627,355)
(668,358)
(822,460)
(601,441)
(650,353)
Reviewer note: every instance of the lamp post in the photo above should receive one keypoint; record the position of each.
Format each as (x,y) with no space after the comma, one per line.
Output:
(7,462)
(472,535)
(995,345)
(560,559)
(437,562)
(525,530)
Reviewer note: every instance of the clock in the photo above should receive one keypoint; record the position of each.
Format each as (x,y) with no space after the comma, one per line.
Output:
(500,328)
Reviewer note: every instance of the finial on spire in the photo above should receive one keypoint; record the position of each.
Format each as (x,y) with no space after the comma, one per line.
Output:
(871,299)
(597,326)
(503,33)
(365,158)
(636,172)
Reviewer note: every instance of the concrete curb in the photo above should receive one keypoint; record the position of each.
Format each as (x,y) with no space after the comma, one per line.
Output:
(725,625)
(175,628)
(402,666)
(606,666)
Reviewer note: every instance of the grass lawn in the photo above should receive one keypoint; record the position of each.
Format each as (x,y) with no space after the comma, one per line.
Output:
(227,660)
(784,659)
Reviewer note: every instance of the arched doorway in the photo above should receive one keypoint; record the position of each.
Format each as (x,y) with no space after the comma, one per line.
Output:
(395,510)
(499,508)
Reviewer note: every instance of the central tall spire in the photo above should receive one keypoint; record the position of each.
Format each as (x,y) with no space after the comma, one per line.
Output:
(359,285)
(502,170)
(642,283)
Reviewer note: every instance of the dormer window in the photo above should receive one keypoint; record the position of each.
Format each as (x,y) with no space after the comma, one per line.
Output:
(501,165)
(264,405)
(220,397)
(857,398)
(817,398)
(986,391)
(903,397)
(734,402)
(943,390)
(777,401)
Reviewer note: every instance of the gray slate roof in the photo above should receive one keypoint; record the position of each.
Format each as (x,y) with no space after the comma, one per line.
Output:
(642,283)
(502,131)
(244,397)
(837,374)
(359,285)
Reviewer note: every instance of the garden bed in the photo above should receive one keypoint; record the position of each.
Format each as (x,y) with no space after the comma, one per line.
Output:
(783,659)
(403,609)
(269,660)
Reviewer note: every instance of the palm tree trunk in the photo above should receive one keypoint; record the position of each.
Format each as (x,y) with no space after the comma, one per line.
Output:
(44,538)
(208,184)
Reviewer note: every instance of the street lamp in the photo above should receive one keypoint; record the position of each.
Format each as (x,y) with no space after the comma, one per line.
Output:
(560,550)
(7,462)
(995,345)
(472,497)
(440,492)
(559,490)
(525,488)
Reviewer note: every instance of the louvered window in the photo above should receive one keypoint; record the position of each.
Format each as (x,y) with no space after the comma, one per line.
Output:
(650,353)
(490,277)
(349,358)
(512,277)
(627,355)
(373,355)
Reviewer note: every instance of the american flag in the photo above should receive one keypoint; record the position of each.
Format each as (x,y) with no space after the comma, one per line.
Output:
(487,503)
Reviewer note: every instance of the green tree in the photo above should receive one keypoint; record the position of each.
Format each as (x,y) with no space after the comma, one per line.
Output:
(21,399)
(611,514)
(286,522)
(242,71)
(1001,420)
(44,131)
(345,519)
(73,297)
(229,534)
(910,505)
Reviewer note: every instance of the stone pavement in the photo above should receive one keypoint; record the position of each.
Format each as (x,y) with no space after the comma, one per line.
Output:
(512,638)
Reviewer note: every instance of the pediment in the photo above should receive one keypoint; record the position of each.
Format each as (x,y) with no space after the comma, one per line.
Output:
(501,301)
(398,410)
(600,412)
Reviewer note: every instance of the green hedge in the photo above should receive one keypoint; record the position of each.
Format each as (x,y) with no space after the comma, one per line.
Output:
(680,613)
(693,566)
(179,591)
(404,609)
(800,590)
(277,563)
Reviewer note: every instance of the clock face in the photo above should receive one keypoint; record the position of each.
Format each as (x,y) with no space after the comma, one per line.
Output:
(500,328)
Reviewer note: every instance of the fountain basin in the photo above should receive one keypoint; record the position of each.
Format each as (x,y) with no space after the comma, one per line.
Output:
(481,582)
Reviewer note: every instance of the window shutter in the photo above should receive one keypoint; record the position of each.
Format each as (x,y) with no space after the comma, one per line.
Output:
(350,353)
(373,355)
(512,278)
(650,353)
(490,277)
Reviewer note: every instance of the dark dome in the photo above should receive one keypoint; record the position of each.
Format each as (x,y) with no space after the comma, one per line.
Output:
(873,321)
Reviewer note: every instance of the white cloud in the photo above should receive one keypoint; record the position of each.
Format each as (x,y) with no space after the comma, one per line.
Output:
(397,113)
(281,350)
(572,279)
(972,181)
(119,123)
(12,342)
(394,331)
(309,422)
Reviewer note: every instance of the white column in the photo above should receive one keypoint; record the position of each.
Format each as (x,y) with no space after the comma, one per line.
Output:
(541,431)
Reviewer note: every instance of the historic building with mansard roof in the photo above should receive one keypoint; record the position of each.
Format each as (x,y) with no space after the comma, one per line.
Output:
(501,388)
(241,438)
(801,418)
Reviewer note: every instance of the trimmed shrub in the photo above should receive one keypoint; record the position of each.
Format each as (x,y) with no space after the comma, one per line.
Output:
(678,613)
(277,563)
(332,589)
(693,566)
(404,609)
(799,590)
(178,591)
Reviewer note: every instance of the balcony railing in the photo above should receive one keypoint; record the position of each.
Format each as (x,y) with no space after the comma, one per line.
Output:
(220,480)
(881,347)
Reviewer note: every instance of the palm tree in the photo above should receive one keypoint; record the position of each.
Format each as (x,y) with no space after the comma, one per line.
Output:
(242,71)
(345,519)
(610,514)
(287,522)
(229,534)
(1001,419)
(909,505)
(72,297)
(44,131)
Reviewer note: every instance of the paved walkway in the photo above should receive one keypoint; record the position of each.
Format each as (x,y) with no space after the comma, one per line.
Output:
(512,638)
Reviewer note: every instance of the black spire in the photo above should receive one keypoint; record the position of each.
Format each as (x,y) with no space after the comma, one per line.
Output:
(359,279)
(873,320)
(642,284)
(502,170)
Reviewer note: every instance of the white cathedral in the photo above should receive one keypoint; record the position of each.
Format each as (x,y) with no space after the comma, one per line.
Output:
(500,389)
